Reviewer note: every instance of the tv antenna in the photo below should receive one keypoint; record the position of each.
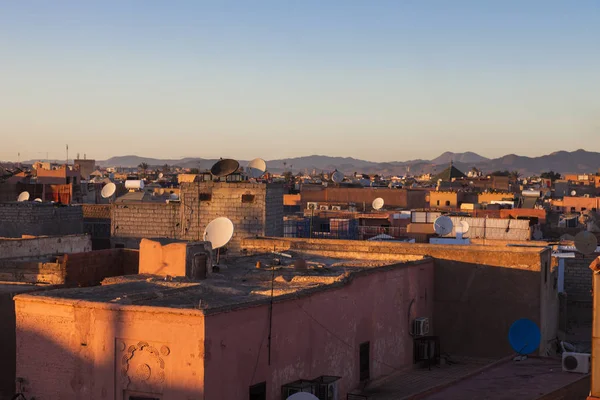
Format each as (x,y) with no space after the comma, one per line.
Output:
(108,191)
(377,204)
(224,168)
(218,232)
(24,196)
(443,225)
(256,168)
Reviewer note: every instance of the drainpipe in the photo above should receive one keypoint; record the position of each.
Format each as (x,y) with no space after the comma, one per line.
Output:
(595,375)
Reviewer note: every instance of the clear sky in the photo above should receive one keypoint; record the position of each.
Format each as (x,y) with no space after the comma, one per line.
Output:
(378,80)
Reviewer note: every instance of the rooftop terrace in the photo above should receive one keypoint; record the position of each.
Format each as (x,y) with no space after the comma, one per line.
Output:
(238,283)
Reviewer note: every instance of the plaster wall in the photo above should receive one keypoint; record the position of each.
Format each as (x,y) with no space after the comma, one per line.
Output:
(79,350)
(320,334)
(479,290)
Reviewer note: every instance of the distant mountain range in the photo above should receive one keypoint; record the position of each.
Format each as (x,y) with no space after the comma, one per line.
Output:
(560,161)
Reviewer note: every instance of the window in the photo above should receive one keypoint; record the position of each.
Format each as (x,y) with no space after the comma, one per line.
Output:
(247,198)
(205,197)
(364,361)
(438,202)
(572,209)
(583,208)
(258,391)
(447,202)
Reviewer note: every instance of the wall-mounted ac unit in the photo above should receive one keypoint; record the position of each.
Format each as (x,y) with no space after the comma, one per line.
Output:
(576,362)
(311,205)
(420,326)
(336,208)
(323,208)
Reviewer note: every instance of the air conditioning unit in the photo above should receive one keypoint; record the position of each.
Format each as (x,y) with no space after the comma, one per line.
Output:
(311,206)
(420,326)
(323,208)
(576,362)
(336,208)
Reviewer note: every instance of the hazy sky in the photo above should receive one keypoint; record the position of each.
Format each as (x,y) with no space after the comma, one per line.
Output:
(378,80)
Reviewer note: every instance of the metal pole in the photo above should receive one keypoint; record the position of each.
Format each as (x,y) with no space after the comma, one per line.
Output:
(271,312)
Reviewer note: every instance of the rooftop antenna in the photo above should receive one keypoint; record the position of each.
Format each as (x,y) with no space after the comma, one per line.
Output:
(524,337)
(256,168)
(67,154)
(224,168)
(24,196)
(108,191)
(443,225)
(218,232)
(377,204)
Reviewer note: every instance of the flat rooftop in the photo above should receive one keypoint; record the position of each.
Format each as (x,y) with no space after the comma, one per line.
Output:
(239,283)
(533,378)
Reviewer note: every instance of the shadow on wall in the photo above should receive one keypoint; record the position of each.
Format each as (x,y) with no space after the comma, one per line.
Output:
(476,304)
(90,353)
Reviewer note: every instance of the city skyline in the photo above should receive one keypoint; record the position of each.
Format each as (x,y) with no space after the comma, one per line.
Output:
(376,82)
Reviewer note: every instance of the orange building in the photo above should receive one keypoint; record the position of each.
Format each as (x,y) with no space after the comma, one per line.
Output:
(63,175)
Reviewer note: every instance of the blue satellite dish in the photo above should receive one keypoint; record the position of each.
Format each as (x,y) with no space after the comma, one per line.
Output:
(524,336)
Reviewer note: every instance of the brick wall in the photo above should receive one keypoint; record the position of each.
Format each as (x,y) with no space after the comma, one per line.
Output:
(90,268)
(259,214)
(39,219)
(43,246)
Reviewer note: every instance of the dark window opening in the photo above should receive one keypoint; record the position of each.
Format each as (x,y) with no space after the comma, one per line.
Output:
(438,202)
(583,208)
(594,209)
(119,246)
(364,361)
(572,209)
(258,391)
(205,197)
(546,272)
(247,198)
(447,202)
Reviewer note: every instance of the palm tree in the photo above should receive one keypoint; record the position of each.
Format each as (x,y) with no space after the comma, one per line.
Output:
(143,167)
(514,175)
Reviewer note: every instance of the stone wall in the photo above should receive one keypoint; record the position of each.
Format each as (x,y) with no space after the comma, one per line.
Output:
(255,209)
(479,291)
(39,219)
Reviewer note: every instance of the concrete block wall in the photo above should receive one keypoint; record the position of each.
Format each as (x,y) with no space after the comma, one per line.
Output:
(200,203)
(39,219)
(578,279)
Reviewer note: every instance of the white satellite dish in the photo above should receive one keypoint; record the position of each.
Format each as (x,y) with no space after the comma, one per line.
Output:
(108,190)
(573,193)
(38,200)
(256,168)
(219,232)
(173,196)
(586,242)
(302,396)
(24,196)
(378,203)
(337,176)
(443,225)
(524,181)
(160,175)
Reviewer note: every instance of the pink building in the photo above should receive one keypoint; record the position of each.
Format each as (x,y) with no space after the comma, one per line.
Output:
(244,332)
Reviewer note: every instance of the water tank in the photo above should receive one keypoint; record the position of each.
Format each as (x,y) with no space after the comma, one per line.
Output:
(531,193)
(134,185)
